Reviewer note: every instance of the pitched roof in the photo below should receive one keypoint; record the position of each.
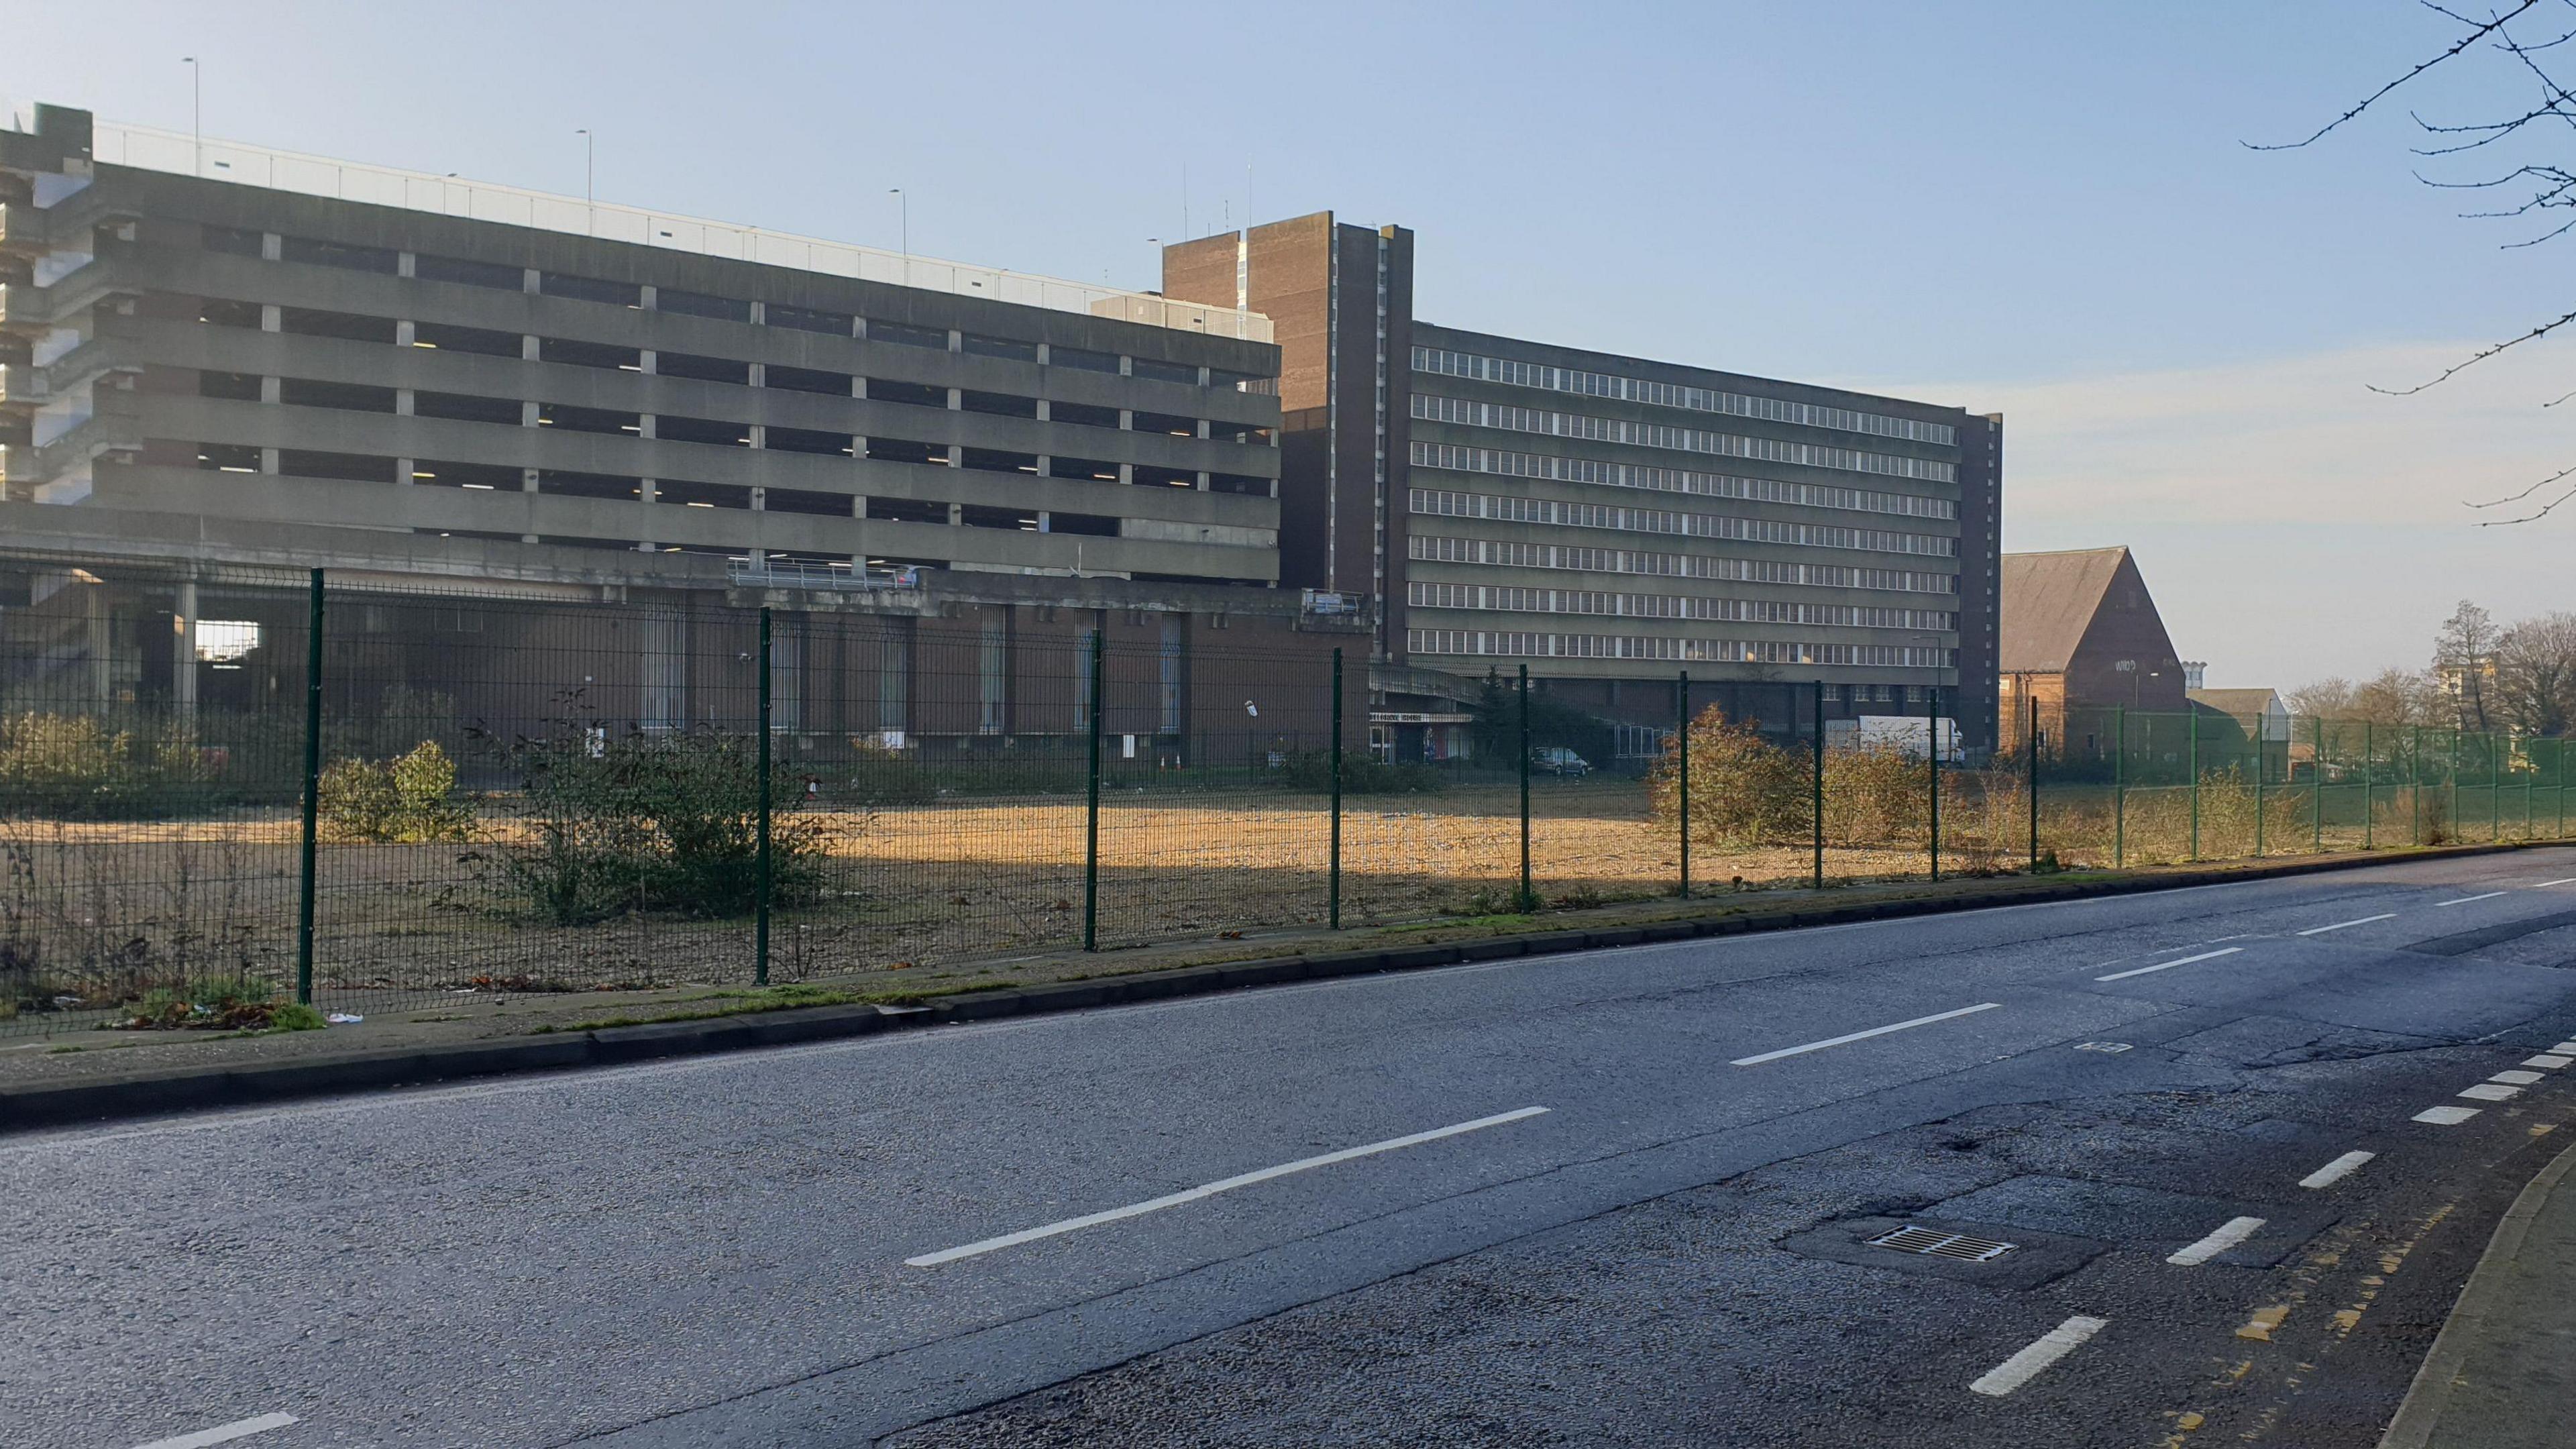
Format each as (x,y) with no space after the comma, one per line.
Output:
(2048,600)
(2242,703)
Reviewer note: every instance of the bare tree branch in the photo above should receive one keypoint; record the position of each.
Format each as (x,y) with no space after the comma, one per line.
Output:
(2481,355)
(2481,32)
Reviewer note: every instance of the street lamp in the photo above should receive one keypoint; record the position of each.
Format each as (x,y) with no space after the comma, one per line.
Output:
(589,170)
(197,107)
(903,209)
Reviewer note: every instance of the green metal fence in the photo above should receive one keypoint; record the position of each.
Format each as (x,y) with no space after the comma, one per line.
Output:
(241,789)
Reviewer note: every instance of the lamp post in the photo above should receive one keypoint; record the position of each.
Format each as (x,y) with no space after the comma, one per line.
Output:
(589,174)
(903,224)
(196,109)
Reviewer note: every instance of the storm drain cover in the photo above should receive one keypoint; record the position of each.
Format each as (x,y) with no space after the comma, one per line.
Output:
(1931,1243)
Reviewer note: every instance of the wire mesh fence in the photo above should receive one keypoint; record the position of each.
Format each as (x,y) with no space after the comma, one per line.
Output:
(239,799)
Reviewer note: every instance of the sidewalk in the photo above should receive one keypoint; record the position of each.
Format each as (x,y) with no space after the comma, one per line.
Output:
(2502,1375)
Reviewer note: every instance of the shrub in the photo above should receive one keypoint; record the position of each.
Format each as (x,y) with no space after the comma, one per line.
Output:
(653,822)
(59,764)
(1311,771)
(1743,791)
(409,799)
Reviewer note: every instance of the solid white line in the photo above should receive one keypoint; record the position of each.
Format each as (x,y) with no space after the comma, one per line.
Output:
(2570,880)
(2339,925)
(2229,1234)
(1228,1184)
(2337,1170)
(2446,1115)
(2169,965)
(224,1433)
(2026,1365)
(2464,900)
(1835,1041)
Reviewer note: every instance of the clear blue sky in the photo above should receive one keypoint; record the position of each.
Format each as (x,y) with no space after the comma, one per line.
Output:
(2042,208)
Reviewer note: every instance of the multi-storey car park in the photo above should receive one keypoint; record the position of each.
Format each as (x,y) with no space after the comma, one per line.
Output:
(1608,521)
(215,357)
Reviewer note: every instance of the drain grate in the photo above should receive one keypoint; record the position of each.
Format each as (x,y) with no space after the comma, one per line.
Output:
(1930,1243)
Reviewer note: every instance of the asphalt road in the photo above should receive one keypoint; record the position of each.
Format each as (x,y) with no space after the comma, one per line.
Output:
(1621,1197)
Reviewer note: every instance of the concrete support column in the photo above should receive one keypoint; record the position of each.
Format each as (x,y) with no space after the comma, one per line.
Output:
(651,297)
(759,500)
(407,264)
(530,280)
(268,461)
(1126,419)
(759,370)
(650,361)
(1203,482)
(404,401)
(1046,410)
(527,349)
(271,317)
(1126,472)
(955,403)
(406,333)
(644,425)
(1046,521)
(272,247)
(759,435)
(956,515)
(527,480)
(957,455)
(528,413)
(270,390)
(183,651)
(403,470)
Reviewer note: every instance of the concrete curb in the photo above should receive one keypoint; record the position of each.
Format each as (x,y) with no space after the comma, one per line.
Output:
(182,1088)
(2430,1394)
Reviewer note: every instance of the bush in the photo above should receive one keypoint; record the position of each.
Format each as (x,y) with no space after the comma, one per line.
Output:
(58,764)
(1311,771)
(1743,790)
(410,799)
(653,822)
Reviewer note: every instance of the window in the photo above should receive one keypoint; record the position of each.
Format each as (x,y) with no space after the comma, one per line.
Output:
(588,420)
(347,396)
(1243,484)
(224,643)
(1147,474)
(806,379)
(1434,408)
(232,386)
(1091,525)
(1093,469)
(227,458)
(995,460)
(469,273)
(920,395)
(444,338)
(622,545)
(466,408)
(340,254)
(1161,371)
(907,510)
(481,477)
(1178,427)
(1081,415)
(975,515)
(701,304)
(999,403)
(899,450)
(806,500)
(1675,395)
(231,240)
(701,495)
(808,319)
(217,312)
(356,467)
(703,369)
(589,485)
(1239,433)
(907,334)
(591,289)
(806,440)
(589,354)
(1085,360)
(1242,381)
(702,430)
(1008,347)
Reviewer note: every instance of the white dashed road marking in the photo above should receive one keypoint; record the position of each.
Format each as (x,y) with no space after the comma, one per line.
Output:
(2547,1060)
(2570,880)
(2519,1079)
(2446,1116)
(2169,965)
(1211,1189)
(2233,1232)
(1848,1038)
(224,1433)
(2337,1170)
(2026,1365)
(2491,1092)
(2464,900)
(2343,925)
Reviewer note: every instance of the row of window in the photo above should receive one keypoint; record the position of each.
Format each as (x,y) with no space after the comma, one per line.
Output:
(1506,463)
(1537,645)
(1675,395)
(1507,554)
(1433,408)
(435,336)
(428,267)
(1514,599)
(1449,504)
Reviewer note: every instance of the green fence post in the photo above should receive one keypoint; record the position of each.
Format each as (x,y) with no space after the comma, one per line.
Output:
(312,792)
(2030,742)
(2495,789)
(1091,817)
(1526,903)
(2258,786)
(2415,789)
(2191,755)
(2456,832)
(2119,786)
(2369,787)
(2530,781)
(760,924)
(2317,782)
(1682,706)
(1932,756)
(1816,786)
(1334,874)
